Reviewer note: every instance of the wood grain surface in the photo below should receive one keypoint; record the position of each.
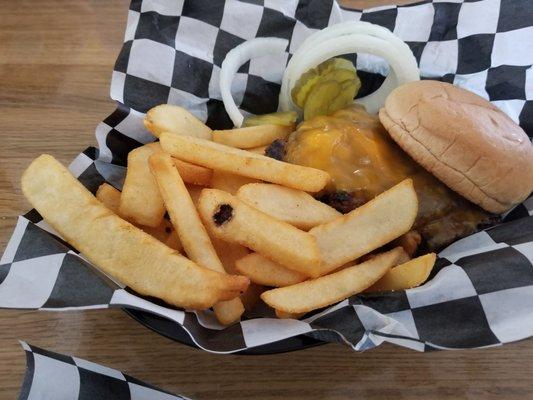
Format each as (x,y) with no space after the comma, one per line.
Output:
(56,59)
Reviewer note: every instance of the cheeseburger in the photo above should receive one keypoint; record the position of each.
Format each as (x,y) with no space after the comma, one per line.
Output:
(468,160)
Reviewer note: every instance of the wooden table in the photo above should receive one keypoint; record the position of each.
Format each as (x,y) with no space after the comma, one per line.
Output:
(56,59)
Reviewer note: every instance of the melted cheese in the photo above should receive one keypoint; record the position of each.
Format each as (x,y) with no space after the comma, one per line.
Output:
(355,149)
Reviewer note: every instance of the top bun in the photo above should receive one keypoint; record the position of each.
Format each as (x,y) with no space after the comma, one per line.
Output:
(462,139)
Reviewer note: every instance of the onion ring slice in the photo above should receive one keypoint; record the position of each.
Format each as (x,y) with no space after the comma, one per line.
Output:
(313,44)
(235,58)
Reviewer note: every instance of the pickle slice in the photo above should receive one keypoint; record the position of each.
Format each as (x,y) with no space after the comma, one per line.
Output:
(333,64)
(339,75)
(348,90)
(303,86)
(287,118)
(335,69)
(320,97)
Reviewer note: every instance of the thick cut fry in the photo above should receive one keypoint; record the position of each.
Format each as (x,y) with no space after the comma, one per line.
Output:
(252,136)
(231,220)
(175,120)
(263,271)
(229,253)
(259,150)
(161,232)
(330,289)
(407,275)
(183,214)
(140,201)
(110,197)
(289,205)
(368,227)
(229,312)
(285,315)
(194,174)
(118,248)
(229,182)
(241,162)
(187,222)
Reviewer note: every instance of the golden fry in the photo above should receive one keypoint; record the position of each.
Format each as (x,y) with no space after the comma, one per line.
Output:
(193,174)
(252,136)
(229,182)
(117,247)
(187,222)
(140,201)
(330,289)
(175,120)
(259,150)
(263,271)
(407,275)
(289,205)
(368,227)
(285,315)
(241,162)
(234,221)
(109,196)
(229,253)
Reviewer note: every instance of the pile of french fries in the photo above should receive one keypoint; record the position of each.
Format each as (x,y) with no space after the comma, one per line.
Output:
(204,220)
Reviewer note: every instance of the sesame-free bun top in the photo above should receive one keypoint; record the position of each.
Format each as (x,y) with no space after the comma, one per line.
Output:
(462,139)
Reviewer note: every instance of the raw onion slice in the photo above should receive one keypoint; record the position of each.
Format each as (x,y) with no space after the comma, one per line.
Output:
(237,57)
(394,47)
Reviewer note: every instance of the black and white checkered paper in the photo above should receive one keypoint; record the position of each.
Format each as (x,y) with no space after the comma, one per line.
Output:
(481,291)
(57,376)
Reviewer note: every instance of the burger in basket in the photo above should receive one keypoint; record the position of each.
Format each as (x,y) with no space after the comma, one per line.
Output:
(305,207)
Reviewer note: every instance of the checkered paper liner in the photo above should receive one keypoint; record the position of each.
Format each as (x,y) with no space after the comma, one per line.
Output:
(57,376)
(481,290)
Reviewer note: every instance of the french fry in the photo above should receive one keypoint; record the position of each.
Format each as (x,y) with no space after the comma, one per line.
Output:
(194,174)
(234,221)
(187,222)
(109,196)
(175,120)
(263,271)
(160,232)
(117,247)
(285,315)
(241,162)
(252,136)
(229,182)
(229,311)
(259,150)
(407,275)
(289,205)
(229,253)
(330,289)
(367,228)
(140,201)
